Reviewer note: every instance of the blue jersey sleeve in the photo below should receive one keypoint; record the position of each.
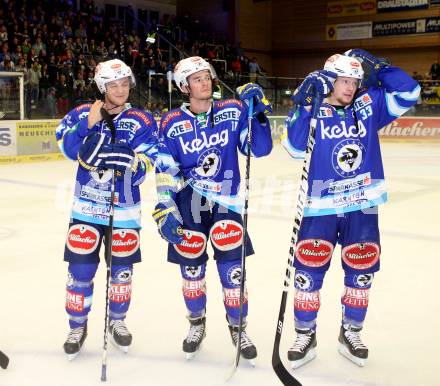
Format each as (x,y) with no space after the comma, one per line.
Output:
(296,132)
(396,95)
(261,137)
(168,174)
(144,143)
(72,130)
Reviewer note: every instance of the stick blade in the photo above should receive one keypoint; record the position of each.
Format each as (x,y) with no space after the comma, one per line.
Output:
(4,360)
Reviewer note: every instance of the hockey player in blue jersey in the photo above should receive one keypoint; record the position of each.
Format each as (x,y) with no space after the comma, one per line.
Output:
(83,136)
(198,184)
(345,187)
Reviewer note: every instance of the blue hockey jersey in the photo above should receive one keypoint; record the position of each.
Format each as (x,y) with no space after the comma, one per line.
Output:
(134,127)
(346,171)
(201,150)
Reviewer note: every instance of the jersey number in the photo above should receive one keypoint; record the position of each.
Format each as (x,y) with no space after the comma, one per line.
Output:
(367,112)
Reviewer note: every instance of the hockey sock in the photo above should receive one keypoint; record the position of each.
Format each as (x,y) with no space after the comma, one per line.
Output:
(120,290)
(194,289)
(79,292)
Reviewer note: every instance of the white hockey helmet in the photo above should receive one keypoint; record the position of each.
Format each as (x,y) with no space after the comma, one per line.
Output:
(189,66)
(111,70)
(344,66)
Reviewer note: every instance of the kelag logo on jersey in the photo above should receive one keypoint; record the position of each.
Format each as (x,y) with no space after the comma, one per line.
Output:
(205,142)
(336,131)
(179,128)
(348,157)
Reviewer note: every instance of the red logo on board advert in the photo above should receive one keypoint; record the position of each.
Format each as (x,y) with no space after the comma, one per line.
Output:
(82,239)
(120,293)
(125,242)
(420,127)
(193,244)
(307,301)
(355,297)
(231,297)
(314,252)
(74,301)
(361,255)
(226,235)
(193,289)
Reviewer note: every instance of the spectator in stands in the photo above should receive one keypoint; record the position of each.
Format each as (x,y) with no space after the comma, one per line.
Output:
(63,93)
(44,81)
(236,68)
(434,72)
(51,103)
(254,69)
(34,82)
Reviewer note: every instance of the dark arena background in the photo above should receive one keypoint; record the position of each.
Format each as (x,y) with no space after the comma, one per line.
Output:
(49,52)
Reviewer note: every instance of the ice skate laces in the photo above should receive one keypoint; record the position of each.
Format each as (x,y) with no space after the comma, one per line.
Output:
(75,335)
(245,340)
(195,333)
(301,342)
(354,339)
(119,327)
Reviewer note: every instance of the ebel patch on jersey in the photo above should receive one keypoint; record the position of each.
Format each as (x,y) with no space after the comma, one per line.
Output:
(362,101)
(180,128)
(347,157)
(325,112)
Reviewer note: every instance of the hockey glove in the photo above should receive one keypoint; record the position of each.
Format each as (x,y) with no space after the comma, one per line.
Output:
(117,156)
(370,64)
(253,90)
(316,83)
(169,223)
(88,154)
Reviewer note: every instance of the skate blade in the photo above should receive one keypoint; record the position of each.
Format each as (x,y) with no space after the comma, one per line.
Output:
(71,357)
(251,362)
(309,357)
(124,349)
(190,355)
(346,353)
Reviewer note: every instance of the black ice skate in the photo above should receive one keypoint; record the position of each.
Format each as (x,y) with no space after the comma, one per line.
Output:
(303,349)
(196,333)
(247,348)
(351,345)
(74,342)
(120,336)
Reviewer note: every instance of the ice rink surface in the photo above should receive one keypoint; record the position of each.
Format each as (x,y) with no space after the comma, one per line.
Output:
(402,328)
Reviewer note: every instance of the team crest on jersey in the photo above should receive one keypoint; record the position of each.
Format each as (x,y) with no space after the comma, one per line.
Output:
(347,157)
(208,164)
(303,280)
(325,112)
(234,275)
(362,101)
(101,176)
(180,128)
(193,272)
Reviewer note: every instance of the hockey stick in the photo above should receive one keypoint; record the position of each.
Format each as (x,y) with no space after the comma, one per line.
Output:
(108,251)
(245,235)
(283,374)
(4,360)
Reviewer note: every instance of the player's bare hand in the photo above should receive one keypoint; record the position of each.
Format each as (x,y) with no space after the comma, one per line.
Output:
(95,113)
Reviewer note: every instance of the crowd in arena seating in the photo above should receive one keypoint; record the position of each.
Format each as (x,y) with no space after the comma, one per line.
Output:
(57,45)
